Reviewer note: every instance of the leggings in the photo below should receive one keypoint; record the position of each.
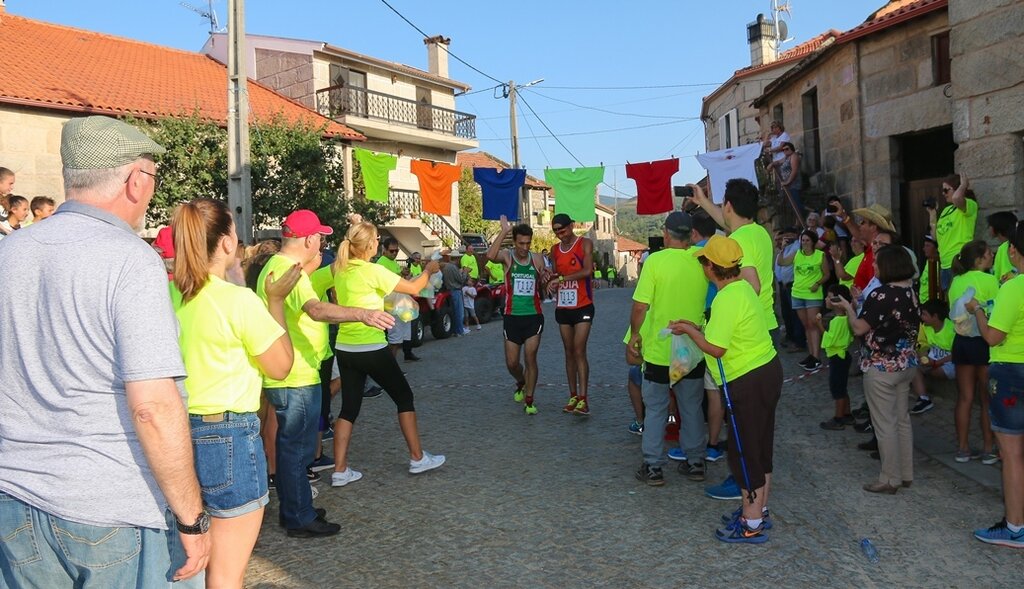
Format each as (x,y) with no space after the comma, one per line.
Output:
(325,393)
(382,366)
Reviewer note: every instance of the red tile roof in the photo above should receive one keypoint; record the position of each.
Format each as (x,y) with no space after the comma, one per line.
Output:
(58,67)
(790,55)
(482,159)
(892,14)
(624,244)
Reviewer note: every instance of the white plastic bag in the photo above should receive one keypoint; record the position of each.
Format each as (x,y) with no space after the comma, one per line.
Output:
(402,306)
(685,355)
(966,324)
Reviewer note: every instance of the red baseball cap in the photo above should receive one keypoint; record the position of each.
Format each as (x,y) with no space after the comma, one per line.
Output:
(165,243)
(303,223)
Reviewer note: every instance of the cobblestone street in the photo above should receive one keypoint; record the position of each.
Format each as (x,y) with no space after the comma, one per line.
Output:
(550,500)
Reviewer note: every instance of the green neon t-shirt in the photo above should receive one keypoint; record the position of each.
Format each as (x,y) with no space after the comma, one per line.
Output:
(1001,266)
(375,168)
(953,229)
(674,286)
(837,337)
(575,191)
(985,287)
(390,264)
(1008,317)
(310,342)
(363,285)
(497,272)
(223,328)
(738,325)
(851,269)
(806,272)
(758,252)
(322,280)
(469,261)
(941,339)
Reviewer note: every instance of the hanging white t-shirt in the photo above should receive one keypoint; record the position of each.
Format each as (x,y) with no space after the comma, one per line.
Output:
(725,164)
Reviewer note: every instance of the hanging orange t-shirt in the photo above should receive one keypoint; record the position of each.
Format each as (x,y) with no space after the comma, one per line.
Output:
(435,185)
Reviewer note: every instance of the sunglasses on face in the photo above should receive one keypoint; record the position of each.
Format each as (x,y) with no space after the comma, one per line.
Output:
(392,251)
(945,189)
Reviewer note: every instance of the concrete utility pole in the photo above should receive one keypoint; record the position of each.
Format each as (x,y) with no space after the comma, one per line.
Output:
(239,170)
(525,206)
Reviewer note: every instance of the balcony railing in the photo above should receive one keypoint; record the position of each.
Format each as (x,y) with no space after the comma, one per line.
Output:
(342,101)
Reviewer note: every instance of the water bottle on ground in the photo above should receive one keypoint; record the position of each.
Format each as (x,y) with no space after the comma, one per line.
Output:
(869,550)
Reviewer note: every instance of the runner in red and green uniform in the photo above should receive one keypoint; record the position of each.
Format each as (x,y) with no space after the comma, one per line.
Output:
(525,275)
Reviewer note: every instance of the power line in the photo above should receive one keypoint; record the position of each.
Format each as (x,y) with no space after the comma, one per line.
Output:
(456,57)
(635,101)
(611,112)
(537,141)
(478,91)
(595,132)
(556,138)
(630,87)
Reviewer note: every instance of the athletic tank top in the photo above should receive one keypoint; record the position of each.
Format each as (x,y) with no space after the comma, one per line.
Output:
(521,284)
(572,294)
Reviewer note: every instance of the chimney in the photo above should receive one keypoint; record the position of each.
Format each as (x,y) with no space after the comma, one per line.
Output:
(437,55)
(761,36)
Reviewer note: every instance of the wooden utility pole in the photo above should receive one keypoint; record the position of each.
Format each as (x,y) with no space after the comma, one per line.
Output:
(239,169)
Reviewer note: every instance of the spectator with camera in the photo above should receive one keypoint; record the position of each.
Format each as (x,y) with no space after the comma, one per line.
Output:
(954,224)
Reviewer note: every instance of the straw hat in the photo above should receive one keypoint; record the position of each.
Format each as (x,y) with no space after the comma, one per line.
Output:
(878,215)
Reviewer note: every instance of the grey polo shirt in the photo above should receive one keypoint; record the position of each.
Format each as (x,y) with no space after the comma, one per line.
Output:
(84,308)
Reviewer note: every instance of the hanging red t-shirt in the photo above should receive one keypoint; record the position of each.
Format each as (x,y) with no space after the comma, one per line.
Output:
(653,185)
(435,185)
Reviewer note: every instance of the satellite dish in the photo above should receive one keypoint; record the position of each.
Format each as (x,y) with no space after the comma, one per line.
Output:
(783,30)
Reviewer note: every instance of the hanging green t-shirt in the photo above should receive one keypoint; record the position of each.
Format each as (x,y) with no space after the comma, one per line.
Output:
(575,191)
(1001,266)
(806,272)
(953,229)
(674,286)
(837,337)
(1008,317)
(375,168)
(758,251)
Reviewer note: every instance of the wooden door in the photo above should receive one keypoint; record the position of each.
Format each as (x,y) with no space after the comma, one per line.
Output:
(913,215)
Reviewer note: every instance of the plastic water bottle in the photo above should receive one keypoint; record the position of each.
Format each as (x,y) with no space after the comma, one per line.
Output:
(869,550)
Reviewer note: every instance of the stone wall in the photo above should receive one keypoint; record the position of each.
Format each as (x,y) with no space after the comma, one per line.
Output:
(30,146)
(290,74)
(988,91)
(740,96)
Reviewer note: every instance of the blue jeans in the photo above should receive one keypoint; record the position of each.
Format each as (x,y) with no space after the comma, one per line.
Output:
(42,550)
(298,416)
(458,328)
(230,463)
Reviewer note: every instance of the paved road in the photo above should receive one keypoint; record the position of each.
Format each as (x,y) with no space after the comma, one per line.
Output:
(550,500)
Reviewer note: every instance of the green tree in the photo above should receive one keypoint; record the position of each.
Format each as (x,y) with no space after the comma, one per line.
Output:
(471,207)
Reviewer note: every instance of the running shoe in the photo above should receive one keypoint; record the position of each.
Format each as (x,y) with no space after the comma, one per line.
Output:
(864,427)
(636,428)
(695,471)
(314,477)
(328,435)
(728,490)
(714,453)
(519,396)
(1000,534)
(834,424)
(571,405)
(812,365)
(990,457)
(962,456)
(766,517)
(651,475)
(340,479)
(373,392)
(922,406)
(740,533)
(677,454)
(582,408)
(862,412)
(530,409)
(803,363)
(322,463)
(428,462)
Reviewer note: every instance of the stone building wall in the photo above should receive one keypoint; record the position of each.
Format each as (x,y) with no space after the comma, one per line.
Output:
(30,146)
(290,74)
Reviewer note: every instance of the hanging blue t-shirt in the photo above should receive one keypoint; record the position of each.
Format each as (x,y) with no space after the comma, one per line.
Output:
(500,191)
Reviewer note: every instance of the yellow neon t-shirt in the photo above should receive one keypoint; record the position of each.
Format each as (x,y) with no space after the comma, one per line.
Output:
(310,341)
(985,287)
(322,280)
(758,252)
(390,264)
(497,272)
(1008,317)
(363,285)
(837,337)
(1001,266)
(469,261)
(807,271)
(223,328)
(674,285)
(943,338)
(953,229)
(738,325)
(851,269)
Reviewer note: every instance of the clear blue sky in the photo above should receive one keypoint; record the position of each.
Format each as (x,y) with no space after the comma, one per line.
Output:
(580,43)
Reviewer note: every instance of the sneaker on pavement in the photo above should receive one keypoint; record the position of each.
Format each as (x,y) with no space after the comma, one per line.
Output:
(530,409)
(322,463)
(728,490)
(321,513)
(862,412)
(834,424)
(582,407)
(803,363)
(373,392)
(962,456)
(340,479)
(847,420)
(1000,534)
(636,428)
(428,462)
(314,477)
(990,458)
(677,454)
(812,365)
(328,435)
(571,405)
(519,396)
(478,328)
(864,427)
(318,528)
(766,517)
(922,406)
(740,533)
(714,453)
(695,471)
(651,475)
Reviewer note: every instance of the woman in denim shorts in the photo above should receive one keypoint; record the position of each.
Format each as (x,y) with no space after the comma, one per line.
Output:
(1004,331)
(228,341)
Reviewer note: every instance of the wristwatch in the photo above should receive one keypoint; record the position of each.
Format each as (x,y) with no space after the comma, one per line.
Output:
(201,526)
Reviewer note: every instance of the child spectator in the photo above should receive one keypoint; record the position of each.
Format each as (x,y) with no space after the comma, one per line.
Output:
(835,341)
(17,212)
(936,337)
(42,207)
(469,303)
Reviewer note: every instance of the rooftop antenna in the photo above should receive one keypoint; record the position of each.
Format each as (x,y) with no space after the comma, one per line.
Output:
(781,28)
(209,14)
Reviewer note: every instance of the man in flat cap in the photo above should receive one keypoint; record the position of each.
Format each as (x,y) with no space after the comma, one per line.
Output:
(97,483)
